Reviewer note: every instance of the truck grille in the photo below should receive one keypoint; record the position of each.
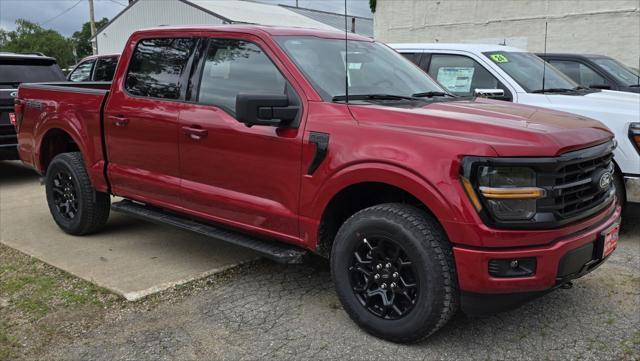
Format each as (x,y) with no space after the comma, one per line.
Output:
(574,188)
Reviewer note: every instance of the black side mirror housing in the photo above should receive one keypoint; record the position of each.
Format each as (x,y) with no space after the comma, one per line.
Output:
(265,109)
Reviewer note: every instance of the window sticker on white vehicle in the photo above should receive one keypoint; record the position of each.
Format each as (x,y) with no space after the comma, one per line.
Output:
(456,79)
(499,58)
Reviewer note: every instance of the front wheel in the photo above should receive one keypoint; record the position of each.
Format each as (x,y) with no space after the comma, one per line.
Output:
(76,207)
(393,269)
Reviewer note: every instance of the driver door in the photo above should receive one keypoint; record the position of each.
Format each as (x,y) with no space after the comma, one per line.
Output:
(247,177)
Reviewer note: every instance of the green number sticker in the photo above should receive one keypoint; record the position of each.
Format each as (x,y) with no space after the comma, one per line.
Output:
(499,58)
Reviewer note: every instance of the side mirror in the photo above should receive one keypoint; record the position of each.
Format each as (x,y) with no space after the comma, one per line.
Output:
(489,93)
(265,109)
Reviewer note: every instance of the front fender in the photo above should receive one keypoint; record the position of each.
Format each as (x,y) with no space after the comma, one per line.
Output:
(443,200)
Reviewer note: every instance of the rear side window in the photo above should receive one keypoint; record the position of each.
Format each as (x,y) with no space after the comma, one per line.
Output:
(236,66)
(413,57)
(157,66)
(105,69)
(83,71)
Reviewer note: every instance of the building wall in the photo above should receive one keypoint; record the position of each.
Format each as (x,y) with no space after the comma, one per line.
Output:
(146,14)
(583,26)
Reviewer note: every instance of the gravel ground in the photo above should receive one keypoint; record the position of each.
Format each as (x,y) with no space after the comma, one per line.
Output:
(268,311)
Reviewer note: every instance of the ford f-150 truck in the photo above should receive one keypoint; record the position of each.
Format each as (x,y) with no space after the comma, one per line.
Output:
(289,141)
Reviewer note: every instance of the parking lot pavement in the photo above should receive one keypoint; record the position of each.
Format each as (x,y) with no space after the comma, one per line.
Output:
(269,311)
(132,258)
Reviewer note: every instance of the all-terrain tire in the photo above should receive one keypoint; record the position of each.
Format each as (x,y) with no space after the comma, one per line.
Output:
(76,207)
(423,242)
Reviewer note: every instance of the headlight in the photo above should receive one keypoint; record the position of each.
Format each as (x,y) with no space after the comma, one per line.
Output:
(634,134)
(509,193)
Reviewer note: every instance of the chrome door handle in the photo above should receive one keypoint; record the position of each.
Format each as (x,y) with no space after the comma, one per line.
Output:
(120,121)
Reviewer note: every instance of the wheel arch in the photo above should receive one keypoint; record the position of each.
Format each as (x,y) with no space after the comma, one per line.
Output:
(365,185)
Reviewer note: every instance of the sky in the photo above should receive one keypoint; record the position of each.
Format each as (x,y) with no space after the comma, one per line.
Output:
(67,16)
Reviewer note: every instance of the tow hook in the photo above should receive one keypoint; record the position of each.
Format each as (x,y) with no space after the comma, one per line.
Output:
(567,285)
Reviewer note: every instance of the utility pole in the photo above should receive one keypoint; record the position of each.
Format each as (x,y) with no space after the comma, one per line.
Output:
(92,21)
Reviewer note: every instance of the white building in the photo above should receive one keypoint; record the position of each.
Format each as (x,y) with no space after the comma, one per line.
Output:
(142,14)
(608,27)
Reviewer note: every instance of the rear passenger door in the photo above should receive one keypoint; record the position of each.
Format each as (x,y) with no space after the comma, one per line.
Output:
(244,176)
(141,121)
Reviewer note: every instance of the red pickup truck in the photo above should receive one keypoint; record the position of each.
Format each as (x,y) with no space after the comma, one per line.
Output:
(424,202)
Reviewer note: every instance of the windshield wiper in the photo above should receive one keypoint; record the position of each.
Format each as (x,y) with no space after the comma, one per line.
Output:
(554,90)
(338,98)
(431,94)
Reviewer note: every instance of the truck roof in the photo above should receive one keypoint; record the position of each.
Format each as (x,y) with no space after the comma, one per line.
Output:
(256,30)
(29,56)
(474,48)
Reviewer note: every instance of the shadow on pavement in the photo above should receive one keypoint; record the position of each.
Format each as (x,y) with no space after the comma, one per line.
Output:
(13,172)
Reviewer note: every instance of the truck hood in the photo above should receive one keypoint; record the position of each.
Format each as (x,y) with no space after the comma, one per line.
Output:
(602,102)
(510,129)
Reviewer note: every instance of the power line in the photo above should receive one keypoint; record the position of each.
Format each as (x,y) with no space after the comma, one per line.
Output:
(62,13)
(119,3)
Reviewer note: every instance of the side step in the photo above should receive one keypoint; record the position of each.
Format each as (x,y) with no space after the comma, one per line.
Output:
(279,252)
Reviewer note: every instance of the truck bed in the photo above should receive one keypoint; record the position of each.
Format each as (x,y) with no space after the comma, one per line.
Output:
(51,107)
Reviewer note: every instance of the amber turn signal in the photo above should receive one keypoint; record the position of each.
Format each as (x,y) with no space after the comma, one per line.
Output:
(512,193)
(471,193)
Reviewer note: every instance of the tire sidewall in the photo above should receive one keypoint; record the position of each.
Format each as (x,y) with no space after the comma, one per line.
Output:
(429,274)
(68,225)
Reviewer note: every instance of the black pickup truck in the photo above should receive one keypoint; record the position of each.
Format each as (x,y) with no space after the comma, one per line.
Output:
(596,71)
(14,70)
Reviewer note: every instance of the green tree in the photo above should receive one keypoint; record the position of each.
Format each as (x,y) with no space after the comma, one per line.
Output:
(30,37)
(82,38)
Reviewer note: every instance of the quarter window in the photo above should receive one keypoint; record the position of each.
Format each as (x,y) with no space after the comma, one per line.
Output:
(105,67)
(83,71)
(157,66)
(236,66)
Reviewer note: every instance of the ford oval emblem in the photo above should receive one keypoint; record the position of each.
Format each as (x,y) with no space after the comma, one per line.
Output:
(605,180)
(13,94)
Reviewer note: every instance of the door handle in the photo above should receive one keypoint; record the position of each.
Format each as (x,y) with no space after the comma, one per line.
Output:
(195,132)
(119,120)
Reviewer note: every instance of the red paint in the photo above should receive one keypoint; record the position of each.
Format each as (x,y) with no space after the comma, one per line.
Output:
(255,178)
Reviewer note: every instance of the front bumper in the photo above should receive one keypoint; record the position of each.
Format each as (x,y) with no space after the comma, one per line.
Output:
(632,187)
(557,262)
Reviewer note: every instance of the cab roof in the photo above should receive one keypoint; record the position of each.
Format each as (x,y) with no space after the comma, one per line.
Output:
(473,48)
(264,30)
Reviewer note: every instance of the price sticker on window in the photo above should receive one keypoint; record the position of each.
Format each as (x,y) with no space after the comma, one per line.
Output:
(499,58)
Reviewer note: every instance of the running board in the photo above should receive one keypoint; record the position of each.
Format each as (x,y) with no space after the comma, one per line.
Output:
(279,252)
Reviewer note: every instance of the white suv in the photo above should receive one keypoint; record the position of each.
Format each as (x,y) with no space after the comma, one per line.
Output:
(512,74)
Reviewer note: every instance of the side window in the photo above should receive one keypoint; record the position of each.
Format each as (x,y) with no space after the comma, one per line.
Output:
(236,66)
(105,67)
(83,71)
(157,66)
(461,75)
(579,72)
(413,57)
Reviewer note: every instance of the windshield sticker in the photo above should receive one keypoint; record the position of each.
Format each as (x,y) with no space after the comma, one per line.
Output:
(456,79)
(499,58)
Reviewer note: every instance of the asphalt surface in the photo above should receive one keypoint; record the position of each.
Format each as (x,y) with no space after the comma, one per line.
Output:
(273,312)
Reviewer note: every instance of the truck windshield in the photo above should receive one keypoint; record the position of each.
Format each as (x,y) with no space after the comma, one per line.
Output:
(623,74)
(374,69)
(527,70)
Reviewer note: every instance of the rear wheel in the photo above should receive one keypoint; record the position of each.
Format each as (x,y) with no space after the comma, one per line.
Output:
(73,202)
(394,273)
